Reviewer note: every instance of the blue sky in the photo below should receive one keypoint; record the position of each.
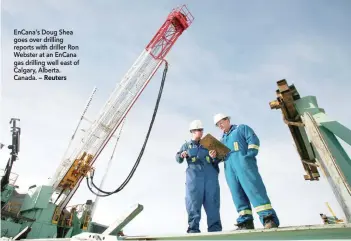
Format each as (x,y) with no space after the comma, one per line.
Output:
(228,61)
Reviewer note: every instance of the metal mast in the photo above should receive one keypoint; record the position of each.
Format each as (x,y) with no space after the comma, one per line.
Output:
(68,177)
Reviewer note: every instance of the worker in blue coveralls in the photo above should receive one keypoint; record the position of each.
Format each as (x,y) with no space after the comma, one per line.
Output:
(202,185)
(242,175)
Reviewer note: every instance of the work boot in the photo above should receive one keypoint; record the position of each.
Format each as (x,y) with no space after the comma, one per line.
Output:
(245,225)
(193,231)
(269,223)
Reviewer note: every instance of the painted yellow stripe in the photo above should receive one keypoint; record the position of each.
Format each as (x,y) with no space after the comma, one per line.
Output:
(254,146)
(236,146)
(245,212)
(263,208)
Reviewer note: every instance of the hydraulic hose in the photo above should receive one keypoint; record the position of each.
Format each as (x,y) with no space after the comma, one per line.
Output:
(137,162)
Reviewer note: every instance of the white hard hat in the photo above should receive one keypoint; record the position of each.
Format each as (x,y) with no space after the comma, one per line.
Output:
(219,117)
(196,124)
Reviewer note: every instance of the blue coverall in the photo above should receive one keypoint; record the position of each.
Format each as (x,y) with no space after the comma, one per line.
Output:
(202,187)
(242,175)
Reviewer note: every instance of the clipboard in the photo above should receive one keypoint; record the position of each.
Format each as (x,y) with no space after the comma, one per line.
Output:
(211,143)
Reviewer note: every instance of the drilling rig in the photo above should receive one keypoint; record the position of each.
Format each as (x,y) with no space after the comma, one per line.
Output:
(42,212)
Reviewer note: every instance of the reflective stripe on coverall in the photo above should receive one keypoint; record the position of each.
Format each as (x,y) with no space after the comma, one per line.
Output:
(242,175)
(202,187)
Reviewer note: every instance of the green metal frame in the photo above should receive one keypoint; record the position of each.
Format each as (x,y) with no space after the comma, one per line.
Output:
(36,212)
(323,133)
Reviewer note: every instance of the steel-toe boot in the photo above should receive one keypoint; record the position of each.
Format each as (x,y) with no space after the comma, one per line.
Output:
(269,223)
(246,225)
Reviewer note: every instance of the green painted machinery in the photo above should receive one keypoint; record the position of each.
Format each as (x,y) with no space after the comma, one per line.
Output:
(316,138)
(30,215)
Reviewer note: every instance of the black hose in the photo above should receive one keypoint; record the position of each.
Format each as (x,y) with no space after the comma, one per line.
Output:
(120,188)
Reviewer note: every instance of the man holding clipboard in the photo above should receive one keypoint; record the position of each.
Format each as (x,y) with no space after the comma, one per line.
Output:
(241,172)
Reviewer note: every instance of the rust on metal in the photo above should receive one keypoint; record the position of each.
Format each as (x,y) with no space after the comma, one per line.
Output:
(286,96)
